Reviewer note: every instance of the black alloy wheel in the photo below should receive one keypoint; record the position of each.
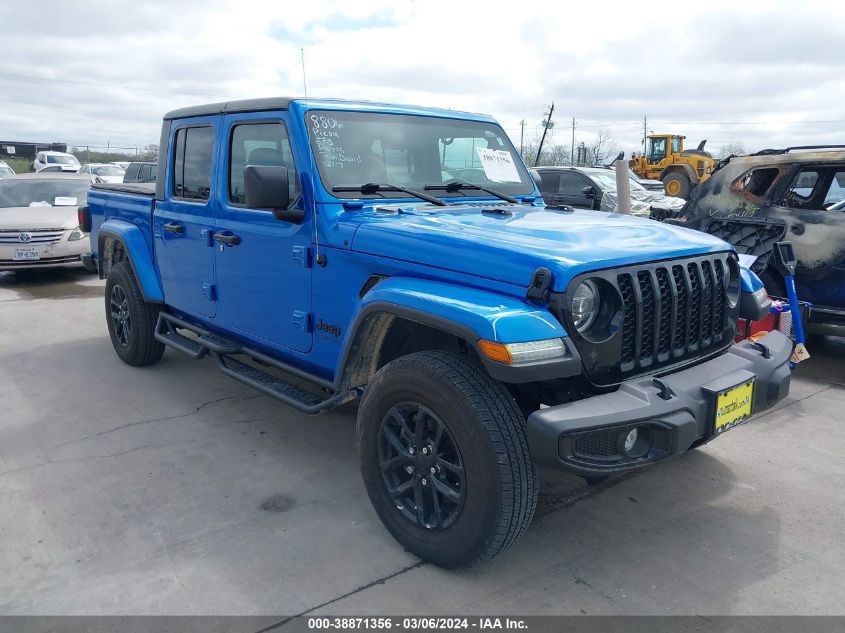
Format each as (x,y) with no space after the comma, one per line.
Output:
(120,317)
(421,466)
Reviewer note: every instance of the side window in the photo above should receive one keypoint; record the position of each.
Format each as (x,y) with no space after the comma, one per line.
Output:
(192,163)
(800,194)
(131,173)
(757,181)
(836,191)
(259,144)
(571,184)
(676,144)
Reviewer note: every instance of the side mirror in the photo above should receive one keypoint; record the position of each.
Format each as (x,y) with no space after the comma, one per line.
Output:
(268,187)
(538,179)
(783,258)
(589,191)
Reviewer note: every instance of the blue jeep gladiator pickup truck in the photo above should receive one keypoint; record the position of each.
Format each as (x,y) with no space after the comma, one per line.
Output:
(322,251)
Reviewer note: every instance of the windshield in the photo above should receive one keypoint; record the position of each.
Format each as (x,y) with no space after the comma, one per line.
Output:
(108,170)
(37,193)
(607,181)
(356,148)
(61,159)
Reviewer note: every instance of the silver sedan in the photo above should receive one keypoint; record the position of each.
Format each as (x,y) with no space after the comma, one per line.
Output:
(39,225)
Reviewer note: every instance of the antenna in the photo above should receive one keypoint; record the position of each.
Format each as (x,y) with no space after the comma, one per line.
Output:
(321,261)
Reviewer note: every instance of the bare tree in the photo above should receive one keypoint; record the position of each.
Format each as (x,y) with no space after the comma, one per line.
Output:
(553,154)
(151,151)
(603,149)
(734,148)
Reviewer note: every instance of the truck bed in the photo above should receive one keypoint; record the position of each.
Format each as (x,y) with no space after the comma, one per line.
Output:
(116,207)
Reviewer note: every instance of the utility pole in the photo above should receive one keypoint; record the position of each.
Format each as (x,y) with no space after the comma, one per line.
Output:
(572,147)
(547,123)
(522,137)
(645,133)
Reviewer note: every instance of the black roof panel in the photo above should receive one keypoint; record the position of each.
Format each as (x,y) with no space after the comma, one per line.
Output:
(244,105)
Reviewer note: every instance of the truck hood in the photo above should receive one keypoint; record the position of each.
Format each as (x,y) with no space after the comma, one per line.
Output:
(35,218)
(510,242)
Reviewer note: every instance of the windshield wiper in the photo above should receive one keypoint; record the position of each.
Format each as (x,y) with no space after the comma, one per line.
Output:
(372,187)
(456,185)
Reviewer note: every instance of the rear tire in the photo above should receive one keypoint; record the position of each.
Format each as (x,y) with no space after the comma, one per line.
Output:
(677,184)
(486,466)
(130,319)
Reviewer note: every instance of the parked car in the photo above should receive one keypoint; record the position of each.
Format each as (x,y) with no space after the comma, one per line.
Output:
(106,171)
(792,194)
(141,172)
(5,170)
(39,223)
(595,188)
(647,183)
(123,164)
(60,160)
(274,243)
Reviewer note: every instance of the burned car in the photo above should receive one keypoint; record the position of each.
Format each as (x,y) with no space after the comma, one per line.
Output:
(791,194)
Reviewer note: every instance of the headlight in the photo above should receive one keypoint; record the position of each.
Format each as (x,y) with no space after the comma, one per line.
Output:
(75,235)
(584,305)
(522,353)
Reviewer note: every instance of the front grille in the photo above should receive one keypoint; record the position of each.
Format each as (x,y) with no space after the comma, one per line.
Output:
(669,313)
(40,236)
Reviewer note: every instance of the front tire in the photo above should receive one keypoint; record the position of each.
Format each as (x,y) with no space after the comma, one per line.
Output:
(131,320)
(677,184)
(445,459)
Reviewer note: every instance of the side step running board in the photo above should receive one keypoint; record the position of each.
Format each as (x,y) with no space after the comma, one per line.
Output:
(222,350)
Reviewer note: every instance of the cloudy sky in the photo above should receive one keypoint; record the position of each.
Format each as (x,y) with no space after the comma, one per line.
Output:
(97,72)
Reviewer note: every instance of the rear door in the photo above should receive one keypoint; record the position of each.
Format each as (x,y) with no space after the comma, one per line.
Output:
(265,278)
(184,220)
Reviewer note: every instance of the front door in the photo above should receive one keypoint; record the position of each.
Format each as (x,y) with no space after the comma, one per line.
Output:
(183,221)
(571,188)
(817,232)
(262,264)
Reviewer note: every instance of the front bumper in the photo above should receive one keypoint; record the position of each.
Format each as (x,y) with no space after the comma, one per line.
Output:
(59,254)
(676,410)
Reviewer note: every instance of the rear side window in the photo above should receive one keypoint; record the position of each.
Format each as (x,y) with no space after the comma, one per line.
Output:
(259,144)
(549,181)
(757,181)
(192,163)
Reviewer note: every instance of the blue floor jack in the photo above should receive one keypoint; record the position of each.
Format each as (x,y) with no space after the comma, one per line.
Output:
(783,260)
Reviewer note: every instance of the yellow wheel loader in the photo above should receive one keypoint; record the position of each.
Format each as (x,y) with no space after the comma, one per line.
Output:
(666,160)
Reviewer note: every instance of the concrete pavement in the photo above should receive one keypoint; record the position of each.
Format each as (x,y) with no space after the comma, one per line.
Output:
(175,490)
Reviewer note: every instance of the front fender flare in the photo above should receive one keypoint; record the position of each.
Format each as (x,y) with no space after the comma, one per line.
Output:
(132,240)
(468,313)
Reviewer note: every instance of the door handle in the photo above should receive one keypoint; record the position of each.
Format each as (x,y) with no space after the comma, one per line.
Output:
(227,238)
(174,227)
